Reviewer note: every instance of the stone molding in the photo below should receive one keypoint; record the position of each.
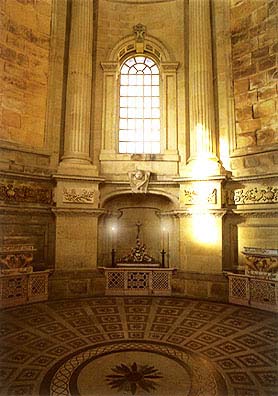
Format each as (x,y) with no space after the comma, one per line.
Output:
(73,212)
(27,211)
(257,213)
(189,213)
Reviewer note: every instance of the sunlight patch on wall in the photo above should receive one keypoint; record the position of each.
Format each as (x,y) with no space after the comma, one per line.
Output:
(205,228)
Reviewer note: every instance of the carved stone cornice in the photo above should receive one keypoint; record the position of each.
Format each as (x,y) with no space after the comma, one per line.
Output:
(73,212)
(257,213)
(24,211)
(190,213)
(109,66)
(169,67)
(16,192)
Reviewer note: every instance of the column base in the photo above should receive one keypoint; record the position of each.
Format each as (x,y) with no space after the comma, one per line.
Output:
(201,168)
(77,168)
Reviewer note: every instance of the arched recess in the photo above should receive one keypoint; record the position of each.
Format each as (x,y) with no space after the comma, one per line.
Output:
(153,48)
(117,229)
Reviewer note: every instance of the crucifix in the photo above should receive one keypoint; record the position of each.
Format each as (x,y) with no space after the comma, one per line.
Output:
(138,225)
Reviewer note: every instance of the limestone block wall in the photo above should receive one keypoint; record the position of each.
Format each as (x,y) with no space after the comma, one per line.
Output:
(254,40)
(26,188)
(24,60)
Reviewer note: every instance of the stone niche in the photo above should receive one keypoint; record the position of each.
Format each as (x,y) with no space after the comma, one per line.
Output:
(117,229)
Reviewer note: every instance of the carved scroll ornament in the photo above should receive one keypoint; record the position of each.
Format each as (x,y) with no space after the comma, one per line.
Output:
(193,197)
(78,195)
(256,195)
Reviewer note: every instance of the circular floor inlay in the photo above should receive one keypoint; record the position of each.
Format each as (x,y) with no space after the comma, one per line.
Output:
(134,368)
(133,372)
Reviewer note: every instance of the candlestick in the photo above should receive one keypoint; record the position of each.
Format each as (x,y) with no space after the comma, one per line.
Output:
(163,258)
(113,256)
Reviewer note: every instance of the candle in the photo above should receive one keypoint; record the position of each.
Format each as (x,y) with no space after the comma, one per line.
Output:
(113,229)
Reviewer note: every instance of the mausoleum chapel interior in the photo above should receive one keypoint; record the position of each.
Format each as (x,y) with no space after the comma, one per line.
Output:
(139,197)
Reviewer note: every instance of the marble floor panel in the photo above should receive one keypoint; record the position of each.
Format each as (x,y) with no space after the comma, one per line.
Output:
(138,346)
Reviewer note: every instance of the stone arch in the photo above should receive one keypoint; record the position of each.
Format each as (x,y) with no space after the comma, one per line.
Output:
(117,229)
(152,46)
(126,191)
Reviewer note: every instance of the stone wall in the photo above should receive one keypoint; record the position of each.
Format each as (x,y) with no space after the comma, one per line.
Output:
(24,68)
(25,183)
(254,37)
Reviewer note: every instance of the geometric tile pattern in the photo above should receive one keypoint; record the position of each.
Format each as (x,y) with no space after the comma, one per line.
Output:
(241,343)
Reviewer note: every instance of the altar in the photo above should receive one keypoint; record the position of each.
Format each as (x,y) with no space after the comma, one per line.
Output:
(138,281)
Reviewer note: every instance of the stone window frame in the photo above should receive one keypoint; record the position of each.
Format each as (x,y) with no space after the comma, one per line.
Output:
(154,49)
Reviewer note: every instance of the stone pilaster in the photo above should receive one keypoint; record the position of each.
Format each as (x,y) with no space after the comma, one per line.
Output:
(77,211)
(203,136)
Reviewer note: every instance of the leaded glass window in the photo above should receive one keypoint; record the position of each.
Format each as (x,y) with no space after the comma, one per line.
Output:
(139,121)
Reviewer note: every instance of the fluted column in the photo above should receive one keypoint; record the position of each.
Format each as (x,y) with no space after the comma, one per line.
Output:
(78,104)
(201,95)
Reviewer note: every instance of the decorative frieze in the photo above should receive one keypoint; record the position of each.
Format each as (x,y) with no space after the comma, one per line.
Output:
(194,197)
(13,192)
(261,262)
(79,195)
(16,258)
(256,195)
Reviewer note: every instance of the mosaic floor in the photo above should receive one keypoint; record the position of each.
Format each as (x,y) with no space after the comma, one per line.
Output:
(138,346)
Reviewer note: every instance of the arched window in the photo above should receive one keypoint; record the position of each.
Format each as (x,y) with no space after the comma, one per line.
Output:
(139,121)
